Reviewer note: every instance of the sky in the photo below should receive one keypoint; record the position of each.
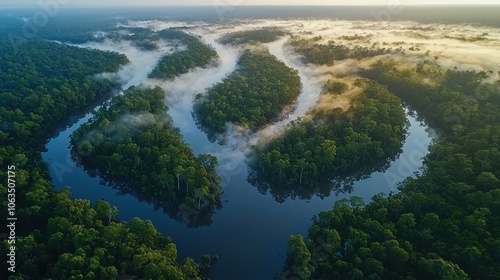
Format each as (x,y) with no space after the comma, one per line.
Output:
(239,2)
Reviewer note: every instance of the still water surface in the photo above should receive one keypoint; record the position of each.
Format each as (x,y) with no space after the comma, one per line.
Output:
(250,232)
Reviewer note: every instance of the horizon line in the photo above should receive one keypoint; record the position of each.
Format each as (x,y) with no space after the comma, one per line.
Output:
(262,5)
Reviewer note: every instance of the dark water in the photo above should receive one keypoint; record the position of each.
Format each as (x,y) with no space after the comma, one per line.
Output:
(250,232)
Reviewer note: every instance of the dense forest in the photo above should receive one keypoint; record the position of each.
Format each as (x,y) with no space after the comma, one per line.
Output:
(69,27)
(253,36)
(42,82)
(57,237)
(196,54)
(132,142)
(317,53)
(143,38)
(330,146)
(443,224)
(256,93)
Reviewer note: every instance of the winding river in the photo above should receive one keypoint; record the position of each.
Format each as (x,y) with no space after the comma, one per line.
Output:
(249,233)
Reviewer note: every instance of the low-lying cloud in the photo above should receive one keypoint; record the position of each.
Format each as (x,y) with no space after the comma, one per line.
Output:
(461,47)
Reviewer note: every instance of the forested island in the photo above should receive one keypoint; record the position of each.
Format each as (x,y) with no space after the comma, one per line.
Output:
(444,223)
(253,36)
(327,147)
(143,38)
(132,143)
(315,52)
(258,92)
(58,237)
(196,54)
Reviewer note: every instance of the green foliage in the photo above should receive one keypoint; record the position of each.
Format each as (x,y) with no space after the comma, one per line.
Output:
(77,244)
(131,141)
(253,36)
(445,223)
(300,256)
(356,37)
(143,38)
(330,146)
(78,28)
(254,95)
(197,54)
(316,53)
(335,87)
(41,84)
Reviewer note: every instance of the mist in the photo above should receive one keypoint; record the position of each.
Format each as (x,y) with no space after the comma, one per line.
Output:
(419,42)
(312,84)
(462,47)
(141,62)
(181,92)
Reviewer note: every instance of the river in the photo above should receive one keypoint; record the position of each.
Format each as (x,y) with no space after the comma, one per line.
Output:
(250,232)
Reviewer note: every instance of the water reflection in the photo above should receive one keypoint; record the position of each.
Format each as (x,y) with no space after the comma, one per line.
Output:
(339,184)
(251,230)
(250,233)
(200,214)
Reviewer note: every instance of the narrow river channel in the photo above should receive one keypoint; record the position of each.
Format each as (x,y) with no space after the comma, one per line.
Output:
(250,231)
